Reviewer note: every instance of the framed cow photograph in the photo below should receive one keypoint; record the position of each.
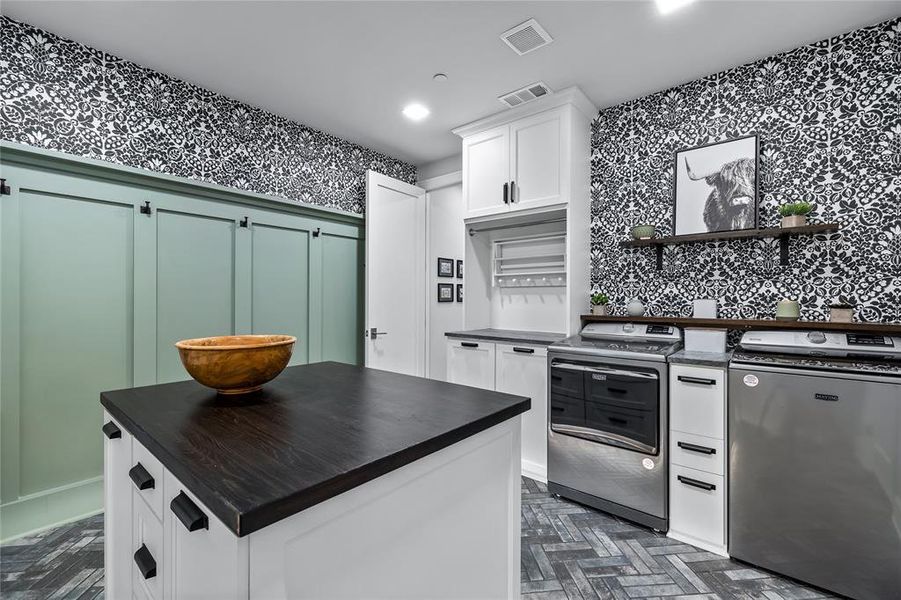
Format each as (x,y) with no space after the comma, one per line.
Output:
(716,187)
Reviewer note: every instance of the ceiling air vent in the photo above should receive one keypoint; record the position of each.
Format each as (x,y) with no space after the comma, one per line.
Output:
(526,94)
(526,37)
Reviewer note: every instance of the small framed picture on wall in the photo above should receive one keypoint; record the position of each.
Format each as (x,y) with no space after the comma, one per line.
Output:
(716,187)
(445,267)
(459,269)
(445,292)
(459,292)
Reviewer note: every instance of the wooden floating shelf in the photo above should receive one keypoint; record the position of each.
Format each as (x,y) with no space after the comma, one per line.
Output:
(751,324)
(782,234)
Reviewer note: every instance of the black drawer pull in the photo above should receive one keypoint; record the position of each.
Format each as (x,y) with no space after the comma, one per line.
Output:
(189,513)
(141,477)
(617,420)
(524,350)
(146,563)
(111,431)
(696,448)
(558,409)
(469,344)
(697,380)
(703,485)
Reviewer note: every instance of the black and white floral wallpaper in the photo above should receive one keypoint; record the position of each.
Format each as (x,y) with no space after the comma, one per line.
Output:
(829,119)
(61,95)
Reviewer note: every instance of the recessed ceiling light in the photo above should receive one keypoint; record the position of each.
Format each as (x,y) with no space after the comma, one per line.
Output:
(667,6)
(415,111)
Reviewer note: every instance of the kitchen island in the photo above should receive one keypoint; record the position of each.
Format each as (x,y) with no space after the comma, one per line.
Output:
(334,481)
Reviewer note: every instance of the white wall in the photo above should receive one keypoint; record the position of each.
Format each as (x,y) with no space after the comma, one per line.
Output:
(443,166)
(445,239)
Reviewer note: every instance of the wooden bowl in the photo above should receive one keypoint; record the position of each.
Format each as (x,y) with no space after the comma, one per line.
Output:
(236,364)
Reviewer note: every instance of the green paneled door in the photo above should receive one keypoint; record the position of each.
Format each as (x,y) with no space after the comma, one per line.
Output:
(95,293)
(342,289)
(281,285)
(195,277)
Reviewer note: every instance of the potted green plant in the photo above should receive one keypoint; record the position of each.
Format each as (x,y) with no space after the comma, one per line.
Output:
(599,304)
(794,214)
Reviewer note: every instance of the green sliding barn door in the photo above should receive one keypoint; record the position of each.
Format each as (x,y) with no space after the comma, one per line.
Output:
(95,293)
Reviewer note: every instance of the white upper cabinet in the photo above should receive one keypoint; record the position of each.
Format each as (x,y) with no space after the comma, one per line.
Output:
(529,157)
(538,160)
(486,160)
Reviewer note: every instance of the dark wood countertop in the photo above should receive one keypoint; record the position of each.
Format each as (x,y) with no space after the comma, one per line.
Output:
(749,324)
(314,432)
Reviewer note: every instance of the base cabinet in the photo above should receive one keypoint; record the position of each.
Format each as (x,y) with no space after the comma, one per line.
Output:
(519,369)
(697,486)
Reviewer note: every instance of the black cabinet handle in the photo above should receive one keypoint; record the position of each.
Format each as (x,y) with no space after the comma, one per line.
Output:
(189,513)
(696,448)
(558,409)
(506,190)
(524,350)
(512,192)
(617,420)
(703,485)
(616,390)
(111,431)
(146,563)
(469,344)
(141,477)
(698,380)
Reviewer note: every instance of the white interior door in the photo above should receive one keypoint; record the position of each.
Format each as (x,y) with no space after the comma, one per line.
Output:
(395,275)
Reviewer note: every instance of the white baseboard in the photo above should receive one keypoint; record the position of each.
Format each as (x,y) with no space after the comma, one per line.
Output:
(535,471)
(702,544)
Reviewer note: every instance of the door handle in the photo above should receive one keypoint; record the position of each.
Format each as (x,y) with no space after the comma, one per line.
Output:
(145,561)
(374,333)
(111,431)
(697,380)
(142,479)
(701,485)
(506,189)
(189,513)
(469,344)
(696,448)
(524,350)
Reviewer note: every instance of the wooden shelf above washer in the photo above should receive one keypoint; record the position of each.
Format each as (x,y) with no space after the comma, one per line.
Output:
(749,324)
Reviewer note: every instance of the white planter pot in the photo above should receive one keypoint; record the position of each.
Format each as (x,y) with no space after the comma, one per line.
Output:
(599,310)
(794,221)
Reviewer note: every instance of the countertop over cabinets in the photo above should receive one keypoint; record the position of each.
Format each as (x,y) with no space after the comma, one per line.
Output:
(509,336)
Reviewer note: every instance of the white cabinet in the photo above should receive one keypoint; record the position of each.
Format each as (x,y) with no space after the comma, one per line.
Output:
(538,160)
(160,541)
(471,362)
(519,369)
(529,157)
(117,523)
(522,370)
(486,167)
(698,456)
(516,166)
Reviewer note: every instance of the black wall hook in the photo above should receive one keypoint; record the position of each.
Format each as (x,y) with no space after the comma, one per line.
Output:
(316,232)
(244,222)
(4,189)
(145,210)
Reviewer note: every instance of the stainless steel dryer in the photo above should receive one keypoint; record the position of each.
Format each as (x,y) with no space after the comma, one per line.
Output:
(815,459)
(608,419)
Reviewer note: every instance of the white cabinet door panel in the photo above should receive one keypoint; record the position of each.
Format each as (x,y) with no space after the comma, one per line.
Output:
(486,168)
(147,538)
(471,362)
(522,370)
(537,161)
(117,490)
(698,452)
(697,400)
(697,507)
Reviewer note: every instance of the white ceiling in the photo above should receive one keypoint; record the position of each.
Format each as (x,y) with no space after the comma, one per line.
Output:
(349,67)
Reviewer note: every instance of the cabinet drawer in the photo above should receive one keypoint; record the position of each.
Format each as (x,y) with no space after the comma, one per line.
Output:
(147,538)
(567,383)
(471,362)
(145,465)
(697,505)
(697,452)
(698,400)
